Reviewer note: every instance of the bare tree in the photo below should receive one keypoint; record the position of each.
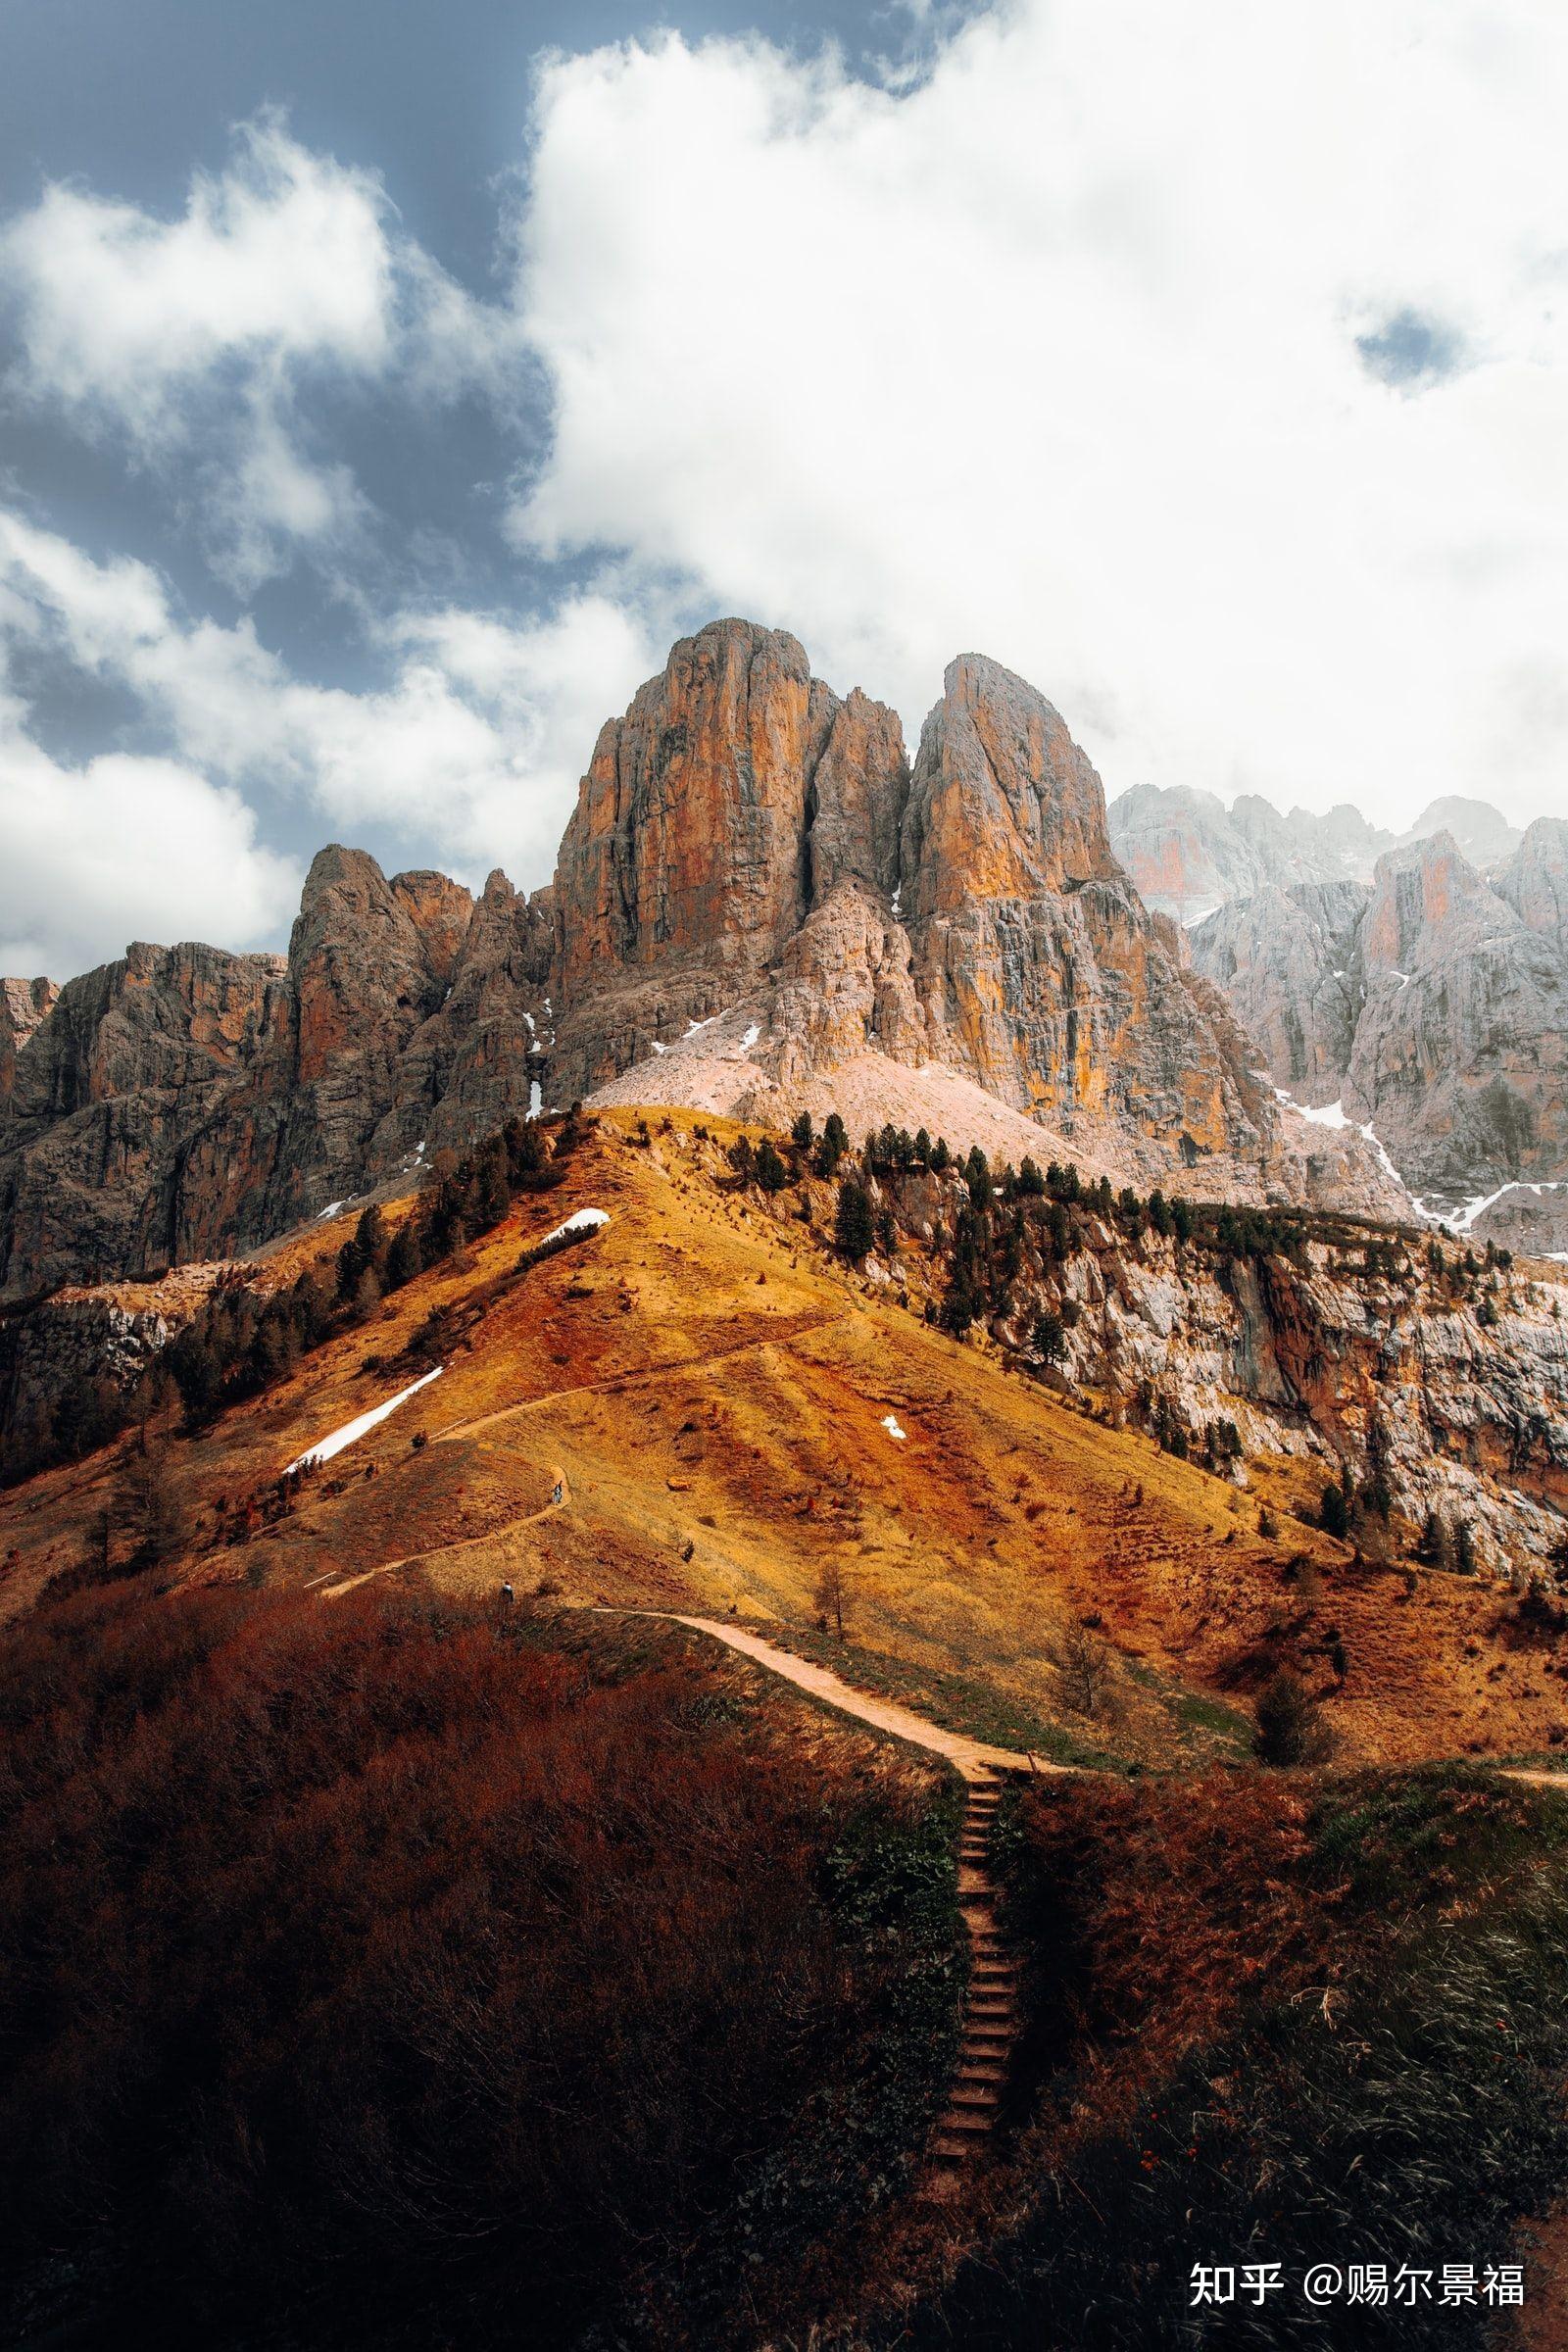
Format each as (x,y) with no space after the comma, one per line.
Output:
(832,1594)
(148,1505)
(1083,1665)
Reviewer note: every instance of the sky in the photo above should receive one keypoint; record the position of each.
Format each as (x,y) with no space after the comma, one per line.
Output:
(382,391)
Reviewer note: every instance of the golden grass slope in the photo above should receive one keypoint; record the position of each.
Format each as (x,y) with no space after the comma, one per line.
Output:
(707,1388)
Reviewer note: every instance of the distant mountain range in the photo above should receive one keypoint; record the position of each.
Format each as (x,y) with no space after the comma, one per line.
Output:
(1188,853)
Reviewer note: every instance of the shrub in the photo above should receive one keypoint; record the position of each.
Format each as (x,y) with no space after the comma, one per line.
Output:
(1289,1722)
(374,1965)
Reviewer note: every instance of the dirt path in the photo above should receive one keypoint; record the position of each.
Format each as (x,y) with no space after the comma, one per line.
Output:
(612,1382)
(332,1586)
(973,1758)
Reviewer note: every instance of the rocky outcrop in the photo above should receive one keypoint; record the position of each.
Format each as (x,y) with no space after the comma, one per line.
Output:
(755,884)
(1039,968)
(184,1103)
(481,1055)
(729,804)
(23,1004)
(106,1096)
(1286,962)
(1432,1006)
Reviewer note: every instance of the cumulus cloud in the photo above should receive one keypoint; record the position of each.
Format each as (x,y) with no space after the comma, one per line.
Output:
(1094,348)
(476,741)
(199,339)
(126,847)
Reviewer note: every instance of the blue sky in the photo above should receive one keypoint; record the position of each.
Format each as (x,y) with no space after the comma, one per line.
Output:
(382,389)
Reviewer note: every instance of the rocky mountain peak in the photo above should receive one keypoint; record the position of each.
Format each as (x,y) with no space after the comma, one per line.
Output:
(1002,804)
(736,792)
(1535,880)
(1480,832)
(1425,900)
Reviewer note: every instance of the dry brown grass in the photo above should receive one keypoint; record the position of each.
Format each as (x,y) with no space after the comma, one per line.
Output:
(709,1386)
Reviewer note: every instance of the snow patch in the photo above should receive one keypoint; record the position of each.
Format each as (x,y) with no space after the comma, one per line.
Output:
(890,1422)
(581,1220)
(330,1210)
(692,1027)
(1333,1114)
(1464,1218)
(359,1428)
(751,1038)
(658,1048)
(536,1097)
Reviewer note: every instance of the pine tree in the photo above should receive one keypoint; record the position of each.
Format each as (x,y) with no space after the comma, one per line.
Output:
(1333,1515)
(767,1168)
(802,1134)
(852,1228)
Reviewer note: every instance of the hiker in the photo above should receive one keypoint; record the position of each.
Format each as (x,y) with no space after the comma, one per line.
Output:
(507,1595)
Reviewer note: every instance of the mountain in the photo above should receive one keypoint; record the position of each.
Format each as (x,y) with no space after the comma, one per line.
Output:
(1432,1004)
(1188,853)
(394,1882)
(759,904)
(1483,833)
(184,1103)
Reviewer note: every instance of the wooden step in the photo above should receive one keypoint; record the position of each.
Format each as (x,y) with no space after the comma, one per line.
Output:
(981,2071)
(966,2119)
(949,2149)
(976,2096)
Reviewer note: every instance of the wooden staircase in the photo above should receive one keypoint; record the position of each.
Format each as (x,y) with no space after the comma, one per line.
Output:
(964,2131)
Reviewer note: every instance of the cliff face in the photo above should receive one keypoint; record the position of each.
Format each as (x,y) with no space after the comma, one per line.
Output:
(183,1103)
(1432,1004)
(733,798)
(1039,968)
(106,1098)
(753,894)
(23,1004)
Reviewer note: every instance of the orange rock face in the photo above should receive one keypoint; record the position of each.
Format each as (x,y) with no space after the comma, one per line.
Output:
(1034,958)
(736,792)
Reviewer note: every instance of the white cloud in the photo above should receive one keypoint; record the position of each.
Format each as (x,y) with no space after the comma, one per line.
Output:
(199,336)
(125,848)
(1055,355)
(476,742)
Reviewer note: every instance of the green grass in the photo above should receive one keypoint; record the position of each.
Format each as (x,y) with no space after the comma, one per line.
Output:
(1395,1842)
(957,1702)
(1415,2118)
(1209,1729)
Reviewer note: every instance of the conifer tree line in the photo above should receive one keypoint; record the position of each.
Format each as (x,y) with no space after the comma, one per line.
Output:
(240,1341)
